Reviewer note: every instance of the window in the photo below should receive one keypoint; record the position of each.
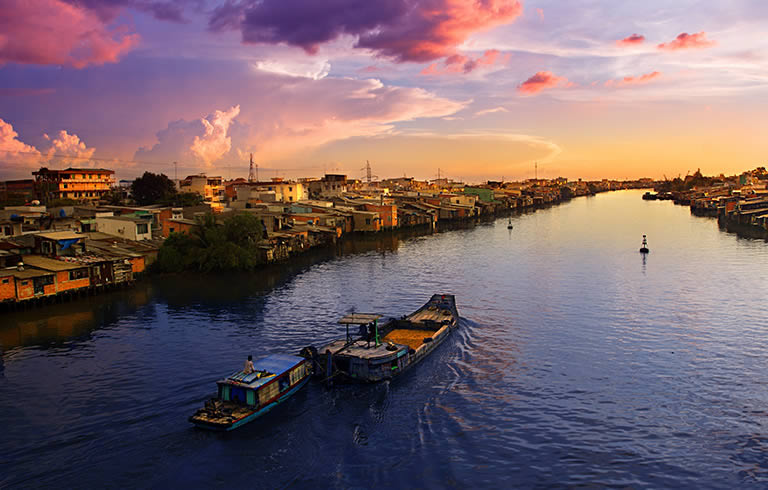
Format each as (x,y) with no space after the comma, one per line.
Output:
(290,189)
(24,283)
(78,274)
(142,228)
(46,247)
(173,229)
(367,221)
(5,280)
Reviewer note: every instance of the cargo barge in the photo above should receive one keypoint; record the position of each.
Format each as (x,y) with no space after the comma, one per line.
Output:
(379,351)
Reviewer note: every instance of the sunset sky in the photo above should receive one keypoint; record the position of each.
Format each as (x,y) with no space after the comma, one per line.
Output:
(480,89)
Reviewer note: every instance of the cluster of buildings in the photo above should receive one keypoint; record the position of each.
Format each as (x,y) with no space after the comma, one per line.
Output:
(740,203)
(49,250)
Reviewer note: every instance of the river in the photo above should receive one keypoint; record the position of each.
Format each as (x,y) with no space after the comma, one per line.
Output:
(577,362)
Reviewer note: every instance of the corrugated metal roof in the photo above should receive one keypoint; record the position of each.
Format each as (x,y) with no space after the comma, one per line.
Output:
(49,264)
(61,235)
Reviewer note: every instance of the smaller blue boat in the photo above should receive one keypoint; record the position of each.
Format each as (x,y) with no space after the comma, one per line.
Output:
(245,397)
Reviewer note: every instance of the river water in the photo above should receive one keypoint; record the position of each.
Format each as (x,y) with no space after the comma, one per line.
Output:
(577,362)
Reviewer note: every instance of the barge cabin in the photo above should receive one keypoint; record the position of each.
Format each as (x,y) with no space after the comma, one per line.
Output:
(381,352)
(244,397)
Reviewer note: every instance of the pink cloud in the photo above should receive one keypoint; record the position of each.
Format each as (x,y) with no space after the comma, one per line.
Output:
(633,40)
(54,32)
(688,41)
(640,80)
(215,142)
(370,69)
(541,81)
(541,13)
(15,152)
(404,30)
(68,149)
(458,63)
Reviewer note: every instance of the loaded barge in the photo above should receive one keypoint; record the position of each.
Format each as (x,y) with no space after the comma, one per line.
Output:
(243,397)
(381,351)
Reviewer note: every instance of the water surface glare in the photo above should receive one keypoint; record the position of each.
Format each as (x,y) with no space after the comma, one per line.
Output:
(578,362)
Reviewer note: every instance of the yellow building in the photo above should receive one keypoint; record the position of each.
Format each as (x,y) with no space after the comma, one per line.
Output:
(212,189)
(73,183)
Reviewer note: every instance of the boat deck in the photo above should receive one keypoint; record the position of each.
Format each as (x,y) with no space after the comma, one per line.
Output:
(357,349)
(221,414)
(431,314)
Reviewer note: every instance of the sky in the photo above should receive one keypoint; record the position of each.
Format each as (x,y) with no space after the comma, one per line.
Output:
(471,89)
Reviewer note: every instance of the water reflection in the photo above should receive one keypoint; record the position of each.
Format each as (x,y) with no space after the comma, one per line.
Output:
(572,366)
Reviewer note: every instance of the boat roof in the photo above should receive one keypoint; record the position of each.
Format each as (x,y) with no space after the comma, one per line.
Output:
(359,318)
(274,364)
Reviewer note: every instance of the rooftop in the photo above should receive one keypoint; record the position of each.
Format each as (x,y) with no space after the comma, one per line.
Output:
(61,235)
(49,264)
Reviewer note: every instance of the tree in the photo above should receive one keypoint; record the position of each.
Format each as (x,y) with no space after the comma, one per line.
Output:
(184,199)
(152,188)
(231,244)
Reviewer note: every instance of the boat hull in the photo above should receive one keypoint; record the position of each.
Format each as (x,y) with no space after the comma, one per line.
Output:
(253,415)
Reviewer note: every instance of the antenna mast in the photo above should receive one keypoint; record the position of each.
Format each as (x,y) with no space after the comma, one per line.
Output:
(536,170)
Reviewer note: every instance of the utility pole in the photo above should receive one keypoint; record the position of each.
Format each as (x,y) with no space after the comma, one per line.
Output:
(536,171)
(176,172)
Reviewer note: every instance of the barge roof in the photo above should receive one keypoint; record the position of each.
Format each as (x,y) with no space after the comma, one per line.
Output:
(359,318)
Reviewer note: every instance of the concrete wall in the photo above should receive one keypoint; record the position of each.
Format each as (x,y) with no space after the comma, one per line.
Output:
(123,228)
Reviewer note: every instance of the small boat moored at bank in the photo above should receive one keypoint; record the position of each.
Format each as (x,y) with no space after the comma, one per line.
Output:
(381,351)
(244,397)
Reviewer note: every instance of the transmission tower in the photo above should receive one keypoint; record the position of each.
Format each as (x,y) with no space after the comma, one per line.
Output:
(253,171)
(368,172)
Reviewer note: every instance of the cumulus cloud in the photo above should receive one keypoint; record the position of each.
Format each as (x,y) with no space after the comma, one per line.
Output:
(458,63)
(688,41)
(14,152)
(633,40)
(215,142)
(541,81)
(639,80)
(289,115)
(403,30)
(68,149)
(64,149)
(205,140)
(56,32)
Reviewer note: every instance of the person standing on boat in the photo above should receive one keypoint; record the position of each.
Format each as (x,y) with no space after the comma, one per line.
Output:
(249,369)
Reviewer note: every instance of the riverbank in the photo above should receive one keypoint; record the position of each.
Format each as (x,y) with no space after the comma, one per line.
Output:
(81,265)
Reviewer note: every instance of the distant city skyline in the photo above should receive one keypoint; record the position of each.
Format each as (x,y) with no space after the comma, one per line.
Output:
(480,90)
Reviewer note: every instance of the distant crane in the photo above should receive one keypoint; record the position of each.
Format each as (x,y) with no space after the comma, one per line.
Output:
(368,172)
